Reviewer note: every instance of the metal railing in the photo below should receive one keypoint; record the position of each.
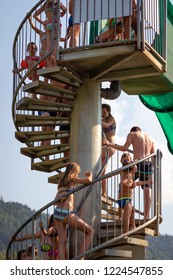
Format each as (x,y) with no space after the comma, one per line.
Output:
(27,234)
(150,29)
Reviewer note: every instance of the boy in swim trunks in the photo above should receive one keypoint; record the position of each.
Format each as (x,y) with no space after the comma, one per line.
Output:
(127,184)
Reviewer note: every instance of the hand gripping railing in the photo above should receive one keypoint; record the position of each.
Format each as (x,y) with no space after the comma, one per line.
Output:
(155,213)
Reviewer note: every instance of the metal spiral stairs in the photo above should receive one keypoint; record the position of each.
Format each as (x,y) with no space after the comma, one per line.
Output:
(36,135)
(124,246)
(110,241)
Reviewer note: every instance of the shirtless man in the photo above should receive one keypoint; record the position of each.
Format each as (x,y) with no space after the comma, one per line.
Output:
(142,147)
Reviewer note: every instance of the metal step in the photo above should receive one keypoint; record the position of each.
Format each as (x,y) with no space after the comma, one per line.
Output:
(51,165)
(41,151)
(34,104)
(40,87)
(110,209)
(132,241)
(110,233)
(106,200)
(60,74)
(33,120)
(108,217)
(55,178)
(111,254)
(35,136)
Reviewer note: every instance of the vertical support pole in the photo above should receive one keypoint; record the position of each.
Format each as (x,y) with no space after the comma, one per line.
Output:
(85,149)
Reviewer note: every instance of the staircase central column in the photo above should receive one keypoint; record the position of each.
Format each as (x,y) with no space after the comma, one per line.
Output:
(85,149)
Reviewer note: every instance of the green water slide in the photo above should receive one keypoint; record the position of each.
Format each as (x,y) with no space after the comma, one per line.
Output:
(162,104)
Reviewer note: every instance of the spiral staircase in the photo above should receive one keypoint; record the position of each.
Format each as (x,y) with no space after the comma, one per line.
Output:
(35,121)
(109,242)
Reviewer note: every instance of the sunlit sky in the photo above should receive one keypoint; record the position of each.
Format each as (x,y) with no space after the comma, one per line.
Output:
(18,182)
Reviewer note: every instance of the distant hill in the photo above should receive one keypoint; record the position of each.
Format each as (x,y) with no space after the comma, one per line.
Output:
(14,214)
(160,248)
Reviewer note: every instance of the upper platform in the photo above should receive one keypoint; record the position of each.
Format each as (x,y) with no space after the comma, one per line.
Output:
(140,71)
(138,58)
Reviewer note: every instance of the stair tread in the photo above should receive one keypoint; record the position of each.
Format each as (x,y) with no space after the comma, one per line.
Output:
(111,233)
(60,73)
(51,165)
(110,253)
(34,136)
(40,87)
(118,223)
(109,209)
(27,103)
(106,200)
(132,241)
(55,178)
(31,120)
(108,216)
(40,151)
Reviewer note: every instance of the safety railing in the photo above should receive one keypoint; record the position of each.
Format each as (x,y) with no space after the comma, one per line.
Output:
(147,30)
(48,242)
(141,21)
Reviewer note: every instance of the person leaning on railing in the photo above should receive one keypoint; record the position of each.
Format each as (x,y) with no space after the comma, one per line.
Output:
(112,31)
(51,23)
(49,240)
(126,186)
(143,146)
(108,133)
(64,213)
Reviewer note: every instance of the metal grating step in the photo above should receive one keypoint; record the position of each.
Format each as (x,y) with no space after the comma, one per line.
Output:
(60,74)
(34,120)
(41,151)
(51,165)
(34,136)
(48,89)
(110,254)
(34,104)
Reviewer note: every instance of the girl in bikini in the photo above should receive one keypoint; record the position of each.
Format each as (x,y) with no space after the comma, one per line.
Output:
(108,129)
(29,61)
(64,212)
(52,23)
(49,240)
(42,35)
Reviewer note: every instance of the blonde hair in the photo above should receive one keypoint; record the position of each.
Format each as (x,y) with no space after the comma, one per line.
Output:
(71,170)
(124,156)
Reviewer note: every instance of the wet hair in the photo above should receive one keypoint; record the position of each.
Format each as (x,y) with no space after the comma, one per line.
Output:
(71,170)
(135,129)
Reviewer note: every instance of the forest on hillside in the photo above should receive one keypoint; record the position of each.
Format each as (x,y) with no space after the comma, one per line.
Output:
(14,214)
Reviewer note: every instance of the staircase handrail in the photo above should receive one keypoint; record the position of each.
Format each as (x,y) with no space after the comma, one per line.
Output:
(36,215)
(22,79)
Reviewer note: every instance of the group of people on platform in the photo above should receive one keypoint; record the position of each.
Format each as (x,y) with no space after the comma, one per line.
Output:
(65,216)
(50,33)
(53,240)
(143,146)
